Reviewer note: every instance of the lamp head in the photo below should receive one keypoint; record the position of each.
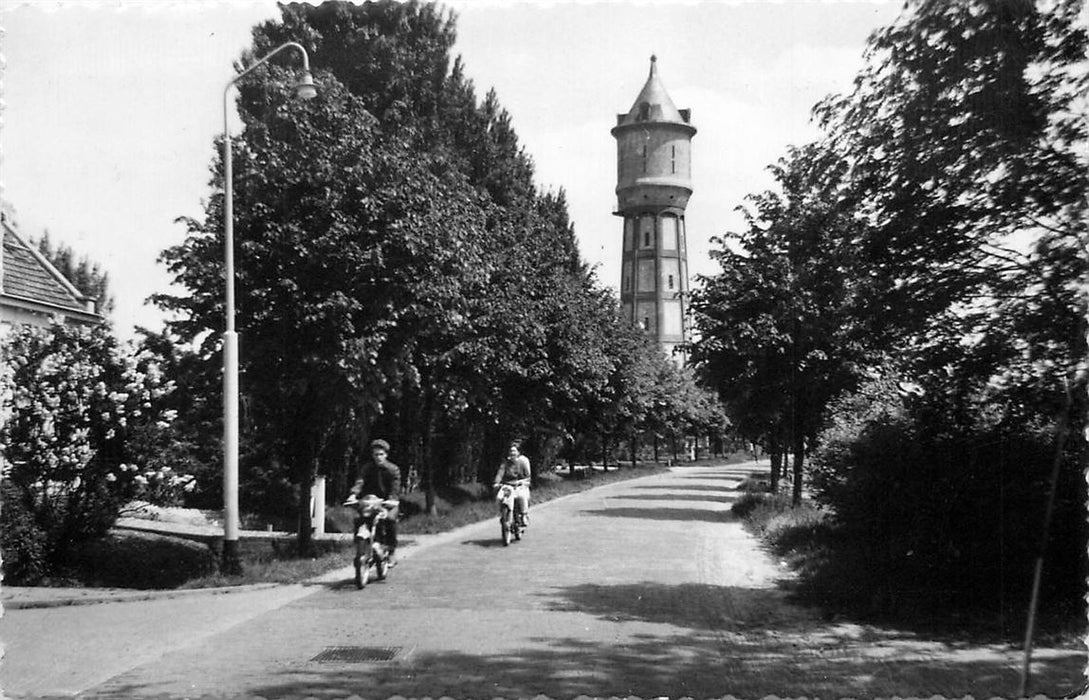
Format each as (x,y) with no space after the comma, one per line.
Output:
(305,88)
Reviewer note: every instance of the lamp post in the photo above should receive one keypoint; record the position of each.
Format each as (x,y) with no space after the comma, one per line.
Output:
(304,89)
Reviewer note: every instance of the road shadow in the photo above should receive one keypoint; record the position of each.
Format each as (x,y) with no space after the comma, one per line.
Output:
(693,487)
(692,664)
(724,497)
(718,477)
(680,514)
(694,605)
(486,543)
(342,585)
(732,640)
(687,640)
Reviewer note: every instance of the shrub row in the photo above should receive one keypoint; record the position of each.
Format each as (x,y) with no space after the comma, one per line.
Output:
(914,523)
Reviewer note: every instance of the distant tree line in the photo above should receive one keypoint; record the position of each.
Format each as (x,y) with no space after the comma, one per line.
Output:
(908,308)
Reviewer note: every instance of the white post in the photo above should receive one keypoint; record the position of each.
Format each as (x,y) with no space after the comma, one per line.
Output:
(231,561)
(317,500)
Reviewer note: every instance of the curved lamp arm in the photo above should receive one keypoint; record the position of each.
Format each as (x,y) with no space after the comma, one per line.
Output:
(305,81)
(304,89)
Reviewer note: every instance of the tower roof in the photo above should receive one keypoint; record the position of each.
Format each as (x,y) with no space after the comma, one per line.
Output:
(653,103)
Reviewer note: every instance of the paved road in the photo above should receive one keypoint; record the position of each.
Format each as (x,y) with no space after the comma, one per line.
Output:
(63,650)
(646,588)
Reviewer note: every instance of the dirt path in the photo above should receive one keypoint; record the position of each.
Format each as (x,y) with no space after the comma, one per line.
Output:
(644,588)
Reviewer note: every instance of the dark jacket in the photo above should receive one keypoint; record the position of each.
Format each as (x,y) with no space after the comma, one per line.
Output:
(382,481)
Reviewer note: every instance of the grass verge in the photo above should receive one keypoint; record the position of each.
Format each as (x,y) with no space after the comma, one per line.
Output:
(280,565)
(795,535)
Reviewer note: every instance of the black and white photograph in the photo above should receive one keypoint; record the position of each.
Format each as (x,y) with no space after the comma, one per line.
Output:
(544,349)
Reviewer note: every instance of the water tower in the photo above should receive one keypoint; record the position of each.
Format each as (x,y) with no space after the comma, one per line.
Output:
(654,182)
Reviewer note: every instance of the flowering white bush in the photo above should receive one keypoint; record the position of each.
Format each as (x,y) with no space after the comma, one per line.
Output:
(82,429)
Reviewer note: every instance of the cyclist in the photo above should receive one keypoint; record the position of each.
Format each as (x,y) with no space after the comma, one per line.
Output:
(381,478)
(515,470)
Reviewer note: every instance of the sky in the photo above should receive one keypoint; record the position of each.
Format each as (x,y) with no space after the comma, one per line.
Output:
(110,109)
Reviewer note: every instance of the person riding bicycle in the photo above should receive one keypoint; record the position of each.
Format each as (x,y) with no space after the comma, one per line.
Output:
(515,468)
(381,478)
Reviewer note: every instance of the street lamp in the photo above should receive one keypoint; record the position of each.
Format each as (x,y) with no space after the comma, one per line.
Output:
(305,90)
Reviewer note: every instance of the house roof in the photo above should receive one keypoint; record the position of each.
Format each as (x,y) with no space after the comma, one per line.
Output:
(27,276)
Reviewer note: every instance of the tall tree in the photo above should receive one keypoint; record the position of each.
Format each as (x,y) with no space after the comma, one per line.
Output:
(528,267)
(786,324)
(347,243)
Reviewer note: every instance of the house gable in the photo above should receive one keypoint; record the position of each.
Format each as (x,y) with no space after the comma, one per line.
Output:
(31,288)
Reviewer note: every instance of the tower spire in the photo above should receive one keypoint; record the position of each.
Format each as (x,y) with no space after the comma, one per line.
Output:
(653,103)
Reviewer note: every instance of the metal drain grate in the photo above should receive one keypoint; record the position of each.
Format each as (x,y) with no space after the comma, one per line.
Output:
(356,654)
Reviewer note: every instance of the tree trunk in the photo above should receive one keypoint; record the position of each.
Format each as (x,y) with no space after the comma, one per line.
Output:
(426,458)
(604,453)
(634,448)
(799,457)
(776,467)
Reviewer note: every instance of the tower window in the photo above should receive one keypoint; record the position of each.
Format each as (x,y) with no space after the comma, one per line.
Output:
(644,159)
(669,277)
(646,231)
(673,158)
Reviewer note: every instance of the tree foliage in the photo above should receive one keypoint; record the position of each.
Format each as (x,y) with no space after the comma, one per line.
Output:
(968,149)
(964,136)
(960,142)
